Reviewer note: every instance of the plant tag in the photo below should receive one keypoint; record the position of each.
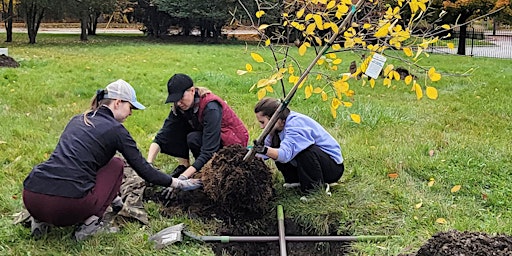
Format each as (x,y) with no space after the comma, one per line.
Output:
(375,66)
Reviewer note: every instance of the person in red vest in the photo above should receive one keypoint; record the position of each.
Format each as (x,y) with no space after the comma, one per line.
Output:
(199,122)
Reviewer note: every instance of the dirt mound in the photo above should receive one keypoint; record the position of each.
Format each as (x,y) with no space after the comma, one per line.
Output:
(465,243)
(6,61)
(239,195)
(229,180)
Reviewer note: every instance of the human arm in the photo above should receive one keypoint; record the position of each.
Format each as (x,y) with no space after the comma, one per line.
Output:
(211,138)
(128,148)
(154,149)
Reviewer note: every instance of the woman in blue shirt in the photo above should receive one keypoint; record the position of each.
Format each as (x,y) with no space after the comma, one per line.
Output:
(305,153)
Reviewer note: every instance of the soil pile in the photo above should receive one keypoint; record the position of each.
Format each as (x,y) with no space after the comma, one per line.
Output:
(239,195)
(6,61)
(465,243)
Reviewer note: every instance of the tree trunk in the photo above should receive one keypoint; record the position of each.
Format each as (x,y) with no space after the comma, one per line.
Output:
(84,21)
(34,15)
(461,50)
(8,22)
(93,23)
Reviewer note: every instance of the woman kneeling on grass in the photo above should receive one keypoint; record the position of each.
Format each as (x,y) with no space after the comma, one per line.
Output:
(305,153)
(82,177)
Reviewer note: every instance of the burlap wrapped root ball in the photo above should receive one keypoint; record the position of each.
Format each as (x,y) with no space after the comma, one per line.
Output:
(241,188)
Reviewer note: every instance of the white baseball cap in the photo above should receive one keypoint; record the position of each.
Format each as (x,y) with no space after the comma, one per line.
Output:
(122,90)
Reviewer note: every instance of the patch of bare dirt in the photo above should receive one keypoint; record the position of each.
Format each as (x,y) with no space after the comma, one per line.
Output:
(6,61)
(456,243)
(239,194)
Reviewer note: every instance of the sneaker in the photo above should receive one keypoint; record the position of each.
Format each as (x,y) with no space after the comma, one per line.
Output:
(38,229)
(95,226)
(117,205)
(291,185)
(328,189)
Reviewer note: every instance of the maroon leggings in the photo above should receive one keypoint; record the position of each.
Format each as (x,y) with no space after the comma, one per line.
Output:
(65,211)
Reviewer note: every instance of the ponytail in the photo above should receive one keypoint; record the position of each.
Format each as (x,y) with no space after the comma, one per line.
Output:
(96,101)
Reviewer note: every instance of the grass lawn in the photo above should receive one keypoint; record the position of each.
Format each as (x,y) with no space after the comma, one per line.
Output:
(462,138)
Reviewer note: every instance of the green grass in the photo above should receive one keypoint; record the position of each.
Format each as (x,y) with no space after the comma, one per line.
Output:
(468,128)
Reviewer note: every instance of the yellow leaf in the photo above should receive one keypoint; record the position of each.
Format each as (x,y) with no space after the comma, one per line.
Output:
(240,72)
(336,62)
(446,26)
(318,21)
(259,14)
(440,221)
(419,92)
(269,88)
(431,92)
(310,29)
(308,90)
(387,82)
(331,55)
(382,31)
(324,96)
(433,75)
(372,82)
(347,104)
(248,67)
(302,49)
(336,47)
(450,45)
(407,51)
(267,42)
(300,13)
(418,205)
(333,112)
(455,188)
(331,4)
(335,103)
(256,57)
(408,79)
(261,93)
(319,77)
(318,90)
(367,25)
(357,119)
(431,182)
(263,26)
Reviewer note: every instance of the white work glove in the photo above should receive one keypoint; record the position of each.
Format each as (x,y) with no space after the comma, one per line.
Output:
(167,192)
(186,185)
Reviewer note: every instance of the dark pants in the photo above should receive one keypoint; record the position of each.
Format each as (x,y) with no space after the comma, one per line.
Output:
(311,167)
(65,211)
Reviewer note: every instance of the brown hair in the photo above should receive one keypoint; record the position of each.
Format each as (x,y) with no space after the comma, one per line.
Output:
(268,106)
(96,101)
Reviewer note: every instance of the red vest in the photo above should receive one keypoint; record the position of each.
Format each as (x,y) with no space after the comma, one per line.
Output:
(232,129)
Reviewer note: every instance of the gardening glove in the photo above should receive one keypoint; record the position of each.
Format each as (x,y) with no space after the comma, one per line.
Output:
(180,169)
(260,148)
(186,185)
(167,192)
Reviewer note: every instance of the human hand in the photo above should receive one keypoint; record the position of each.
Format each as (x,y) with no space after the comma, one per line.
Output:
(178,171)
(186,185)
(260,148)
(167,193)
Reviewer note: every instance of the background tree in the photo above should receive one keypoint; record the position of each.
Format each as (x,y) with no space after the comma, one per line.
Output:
(88,11)
(33,11)
(460,11)
(7,16)
(373,29)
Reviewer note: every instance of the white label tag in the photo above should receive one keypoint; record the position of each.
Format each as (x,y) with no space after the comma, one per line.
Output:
(375,66)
